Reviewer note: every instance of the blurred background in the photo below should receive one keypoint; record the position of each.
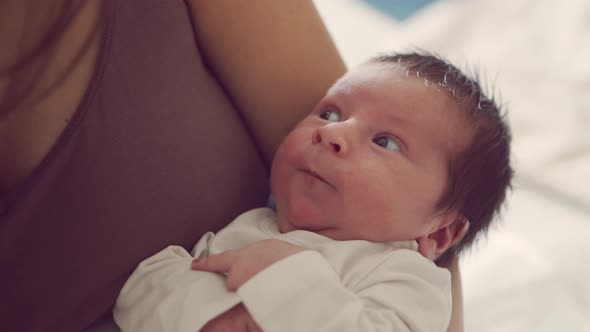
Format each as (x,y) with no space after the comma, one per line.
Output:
(532,273)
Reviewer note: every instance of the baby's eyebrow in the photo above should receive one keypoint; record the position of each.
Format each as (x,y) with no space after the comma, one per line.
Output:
(395,117)
(399,124)
(392,115)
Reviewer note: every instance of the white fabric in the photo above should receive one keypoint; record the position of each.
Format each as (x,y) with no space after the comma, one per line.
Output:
(334,286)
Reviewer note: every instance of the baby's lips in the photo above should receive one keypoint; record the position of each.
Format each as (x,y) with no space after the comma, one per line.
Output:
(320,177)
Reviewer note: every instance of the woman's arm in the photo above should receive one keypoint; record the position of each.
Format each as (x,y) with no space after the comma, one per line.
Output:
(456,324)
(275,59)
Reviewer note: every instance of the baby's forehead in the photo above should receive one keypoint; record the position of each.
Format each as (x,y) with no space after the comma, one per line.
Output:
(367,75)
(385,82)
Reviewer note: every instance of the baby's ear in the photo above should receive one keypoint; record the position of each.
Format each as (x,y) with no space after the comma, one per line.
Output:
(452,227)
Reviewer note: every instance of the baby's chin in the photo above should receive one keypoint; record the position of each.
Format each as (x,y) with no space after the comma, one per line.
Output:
(285,226)
(288,222)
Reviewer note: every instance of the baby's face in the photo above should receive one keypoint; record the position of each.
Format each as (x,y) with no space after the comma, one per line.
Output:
(370,161)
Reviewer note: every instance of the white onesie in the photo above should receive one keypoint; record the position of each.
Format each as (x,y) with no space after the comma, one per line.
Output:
(334,286)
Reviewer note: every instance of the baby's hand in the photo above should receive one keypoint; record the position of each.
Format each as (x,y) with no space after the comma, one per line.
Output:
(237,319)
(242,264)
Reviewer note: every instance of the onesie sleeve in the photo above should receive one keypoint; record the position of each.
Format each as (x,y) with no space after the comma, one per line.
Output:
(303,293)
(164,294)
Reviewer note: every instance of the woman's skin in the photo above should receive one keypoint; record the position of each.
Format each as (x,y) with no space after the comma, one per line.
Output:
(275,60)
(456,324)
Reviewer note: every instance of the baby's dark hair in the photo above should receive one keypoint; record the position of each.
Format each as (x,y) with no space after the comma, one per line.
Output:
(480,175)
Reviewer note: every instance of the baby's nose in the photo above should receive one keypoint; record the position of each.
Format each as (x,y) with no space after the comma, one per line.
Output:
(335,147)
(330,138)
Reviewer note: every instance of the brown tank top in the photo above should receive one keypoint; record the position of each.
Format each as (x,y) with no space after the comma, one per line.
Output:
(155,155)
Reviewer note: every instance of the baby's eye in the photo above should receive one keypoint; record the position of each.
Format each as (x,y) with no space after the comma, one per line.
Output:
(330,115)
(386,143)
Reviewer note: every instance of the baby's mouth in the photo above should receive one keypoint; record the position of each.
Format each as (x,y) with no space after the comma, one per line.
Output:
(317,176)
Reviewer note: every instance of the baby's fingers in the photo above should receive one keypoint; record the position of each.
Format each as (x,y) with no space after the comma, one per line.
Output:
(220,263)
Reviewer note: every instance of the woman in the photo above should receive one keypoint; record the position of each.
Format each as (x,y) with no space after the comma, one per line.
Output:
(120,134)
